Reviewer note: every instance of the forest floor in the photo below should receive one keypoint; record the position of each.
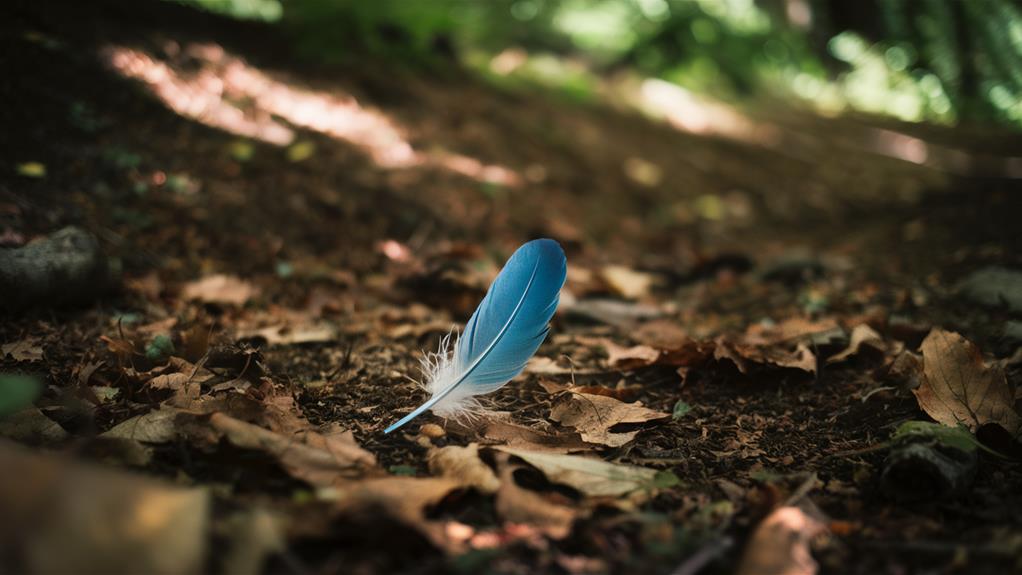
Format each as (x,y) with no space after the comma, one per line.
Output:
(741,332)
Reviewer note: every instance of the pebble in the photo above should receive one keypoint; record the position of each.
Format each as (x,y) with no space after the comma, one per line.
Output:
(432,430)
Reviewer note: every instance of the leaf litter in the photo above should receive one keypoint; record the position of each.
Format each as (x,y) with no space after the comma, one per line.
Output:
(276,370)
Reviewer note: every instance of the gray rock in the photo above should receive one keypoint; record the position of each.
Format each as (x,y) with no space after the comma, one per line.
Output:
(66,267)
(994,286)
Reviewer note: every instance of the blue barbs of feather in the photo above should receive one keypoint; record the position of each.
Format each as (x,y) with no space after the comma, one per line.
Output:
(504,332)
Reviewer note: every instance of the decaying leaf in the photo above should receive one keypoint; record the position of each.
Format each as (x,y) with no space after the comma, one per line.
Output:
(626,282)
(780,544)
(625,358)
(959,388)
(31,426)
(863,337)
(592,477)
(64,517)
(156,426)
(463,464)
(749,358)
(27,349)
(594,416)
(527,438)
(320,460)
(220,289)
(284,334)
(518,505)
(403,499)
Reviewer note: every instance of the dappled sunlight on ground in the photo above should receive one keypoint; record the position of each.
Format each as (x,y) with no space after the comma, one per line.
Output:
(227,93)
(698,115)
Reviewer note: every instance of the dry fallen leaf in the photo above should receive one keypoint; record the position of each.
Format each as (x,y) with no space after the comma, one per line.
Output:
(65,517)
(780,544)
(748,357)
(518,505)
(31,426)
(529,439)
(320,460)
(626,358)
(403,499)
(626,282)
(284,334)
(863,337)
(592,477)
(959,388)
(27,349)
(463,464)
(595,415)
(220,289)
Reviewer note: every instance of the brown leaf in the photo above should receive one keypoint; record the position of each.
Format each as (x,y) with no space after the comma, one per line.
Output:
(27,349)
(528,438)
(463,464)
(626,282)
(626,358)
(594,416)
(589,476)
(863,338)
(121,347)
(196,341)
(517,505)
(748,358)
(780,544)
(958,387)
(220,289)
(31,426)
(65,517)
(321,460)
(403,499)
(284,334)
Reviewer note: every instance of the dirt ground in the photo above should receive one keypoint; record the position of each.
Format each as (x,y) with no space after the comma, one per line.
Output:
(741,263)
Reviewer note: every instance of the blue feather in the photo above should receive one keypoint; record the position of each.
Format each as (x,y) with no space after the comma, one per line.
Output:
(504,332)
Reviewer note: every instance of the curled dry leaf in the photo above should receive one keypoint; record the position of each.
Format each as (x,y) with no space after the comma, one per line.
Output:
(518,505)
(959,388)
(749,358)
(220,289)
(625,358)
(317,459)
(595,415)
(626,282)
(780,544)
(592,477)
(463,464)
(527,438)
(320,459)
(863,338)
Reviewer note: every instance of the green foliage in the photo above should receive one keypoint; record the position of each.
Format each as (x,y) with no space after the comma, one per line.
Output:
(915,60)
(17,392)
(681,409)
(268,10)
(161,347)
(955,437)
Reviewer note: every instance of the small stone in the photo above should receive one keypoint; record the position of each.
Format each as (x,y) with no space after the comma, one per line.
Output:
(432,431)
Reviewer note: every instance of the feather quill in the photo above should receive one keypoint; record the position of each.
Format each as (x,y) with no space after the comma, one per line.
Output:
(504,332)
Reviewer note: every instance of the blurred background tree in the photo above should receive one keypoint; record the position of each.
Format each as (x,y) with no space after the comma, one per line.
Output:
(941,61)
